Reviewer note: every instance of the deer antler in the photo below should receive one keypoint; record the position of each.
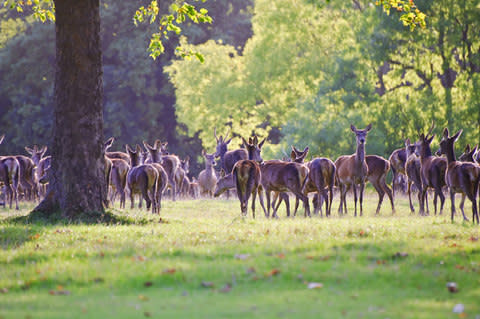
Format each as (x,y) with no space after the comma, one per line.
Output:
(431,129)
(215,133)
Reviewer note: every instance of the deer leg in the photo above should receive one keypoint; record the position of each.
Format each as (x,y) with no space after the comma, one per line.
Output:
(267,194)
(330,198)
(462,202)
(355,197)
(296,206)
(389,192)
(260,195)
(452,200)
(254,195)
(409,186)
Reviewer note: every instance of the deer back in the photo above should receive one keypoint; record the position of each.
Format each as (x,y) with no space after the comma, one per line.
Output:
(283,176)
(397,160)
(377,166)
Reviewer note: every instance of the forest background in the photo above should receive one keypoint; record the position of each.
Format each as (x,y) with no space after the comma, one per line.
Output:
(298,72)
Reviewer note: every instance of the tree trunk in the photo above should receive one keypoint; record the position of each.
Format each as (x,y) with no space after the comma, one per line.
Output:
(77,180)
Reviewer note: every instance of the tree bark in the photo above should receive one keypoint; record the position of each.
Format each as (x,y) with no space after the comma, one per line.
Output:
(77,184)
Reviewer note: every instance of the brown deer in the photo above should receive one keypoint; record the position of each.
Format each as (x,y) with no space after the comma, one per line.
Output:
(181,176)
(468,154)
(142,179)
(207,178)
(110,155)
(194,188)
(157,162)
(247,175)
(397,160)
(432,172)
(42,165)
(412,170)
(170,163)
(118,179)
(9,176)
(353,170)
(461,177)
(27,182)
(321,178)
(378,168)
(228,158)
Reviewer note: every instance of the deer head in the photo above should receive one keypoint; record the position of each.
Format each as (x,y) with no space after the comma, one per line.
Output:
(447,144)
(254,148)
(299,156)
(361,135)
(222,143)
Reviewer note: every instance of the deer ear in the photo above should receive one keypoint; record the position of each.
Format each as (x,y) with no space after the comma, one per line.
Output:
(261,143)
(429,140)
(109,142)
(457,135)
(148,147)
(244,142)
(138,148)
(228,141)
(445,132)
(293,156)
(128,149)
(28,149)
(369,127)
(407,142)
(255,140)
(306,149)
(353,128)
(44,150)
(467,149)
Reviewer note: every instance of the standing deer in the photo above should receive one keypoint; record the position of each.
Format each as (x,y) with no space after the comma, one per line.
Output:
(468,154)
(157,161)
(320,178)
(141,178)
(10,175)
(181,176)
(228,158)
(118,179)
(378,168)
(207,178)
(111,155)
(412,170)
(353,170)
(28,182)
(170,163)
(42,164)
(397,161)
(247,175)
(432,172)
(461,177)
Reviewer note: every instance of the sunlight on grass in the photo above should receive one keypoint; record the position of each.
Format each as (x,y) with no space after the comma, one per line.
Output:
(203,260)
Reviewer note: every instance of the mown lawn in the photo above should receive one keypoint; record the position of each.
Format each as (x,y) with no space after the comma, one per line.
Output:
(205,261)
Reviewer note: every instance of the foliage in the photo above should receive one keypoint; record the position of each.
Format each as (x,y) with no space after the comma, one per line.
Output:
(205,261)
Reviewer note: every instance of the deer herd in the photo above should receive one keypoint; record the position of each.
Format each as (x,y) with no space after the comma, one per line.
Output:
(152,172)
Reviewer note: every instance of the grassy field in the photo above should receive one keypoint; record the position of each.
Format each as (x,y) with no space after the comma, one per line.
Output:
(205,261)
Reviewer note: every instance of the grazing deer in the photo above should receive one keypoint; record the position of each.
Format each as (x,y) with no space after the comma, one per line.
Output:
(142,178)
(320,178)
(207,178)
(157,162)
(432,172)
(111,155)
(353,170)
(412,170)
(228,158)
(397,161)
(170,163)
(468,154)
(10,175)
(378,168)
(461,177)
(118,179)
(247,175)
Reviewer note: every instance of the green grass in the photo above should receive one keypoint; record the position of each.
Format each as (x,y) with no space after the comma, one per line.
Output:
(156,269)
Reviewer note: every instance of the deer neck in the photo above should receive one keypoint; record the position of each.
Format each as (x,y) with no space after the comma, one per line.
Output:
(360,153)
(450,154)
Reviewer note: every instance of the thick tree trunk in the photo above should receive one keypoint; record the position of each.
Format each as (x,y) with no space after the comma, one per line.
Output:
(78,183)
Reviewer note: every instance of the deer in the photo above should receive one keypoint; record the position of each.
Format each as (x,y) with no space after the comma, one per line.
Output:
(353,170)
(194,188)
(412,170)
(207,178)
(27,182)
(118,179)
(170,163)
(378,168)
(468,154)
(157,162)
(141,178)
(228,158)
(432,172)
(247,175)
(320,178)
(41,166)
(181,175)
(397,161)
(10,175)
(460,177)
(121,155)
